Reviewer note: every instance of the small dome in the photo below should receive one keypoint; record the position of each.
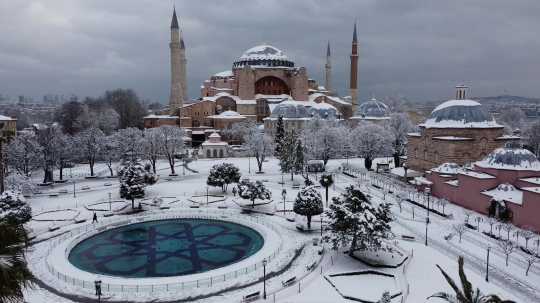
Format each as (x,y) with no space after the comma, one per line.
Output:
(264,55)
(447,168)
(290,109)
(512,157)
(372,109)
(214,135)
(324,110)
(460,113)
(230,113)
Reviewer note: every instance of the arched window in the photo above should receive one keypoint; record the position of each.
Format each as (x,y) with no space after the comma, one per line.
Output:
(416,153)
(195,123)
(483,144)
(425,155)
(208,153)
(466,159)
(215,153)
(425,141)
(221,153)
(436,157)
(262,109)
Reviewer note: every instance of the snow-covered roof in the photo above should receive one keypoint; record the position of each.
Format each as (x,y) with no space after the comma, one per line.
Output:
(447,168)
(477,175)
(510,157)
(460,114)
(508,137)
(372,109)
(453,138)
(535,190)
(223,74)
(452,182)
(208,143)
(422,180)
(264,52)
(506,192)
(414,134)
(229,114)
(399,171)
(6,118)
(324,110)
(214,135)
(532,180)
(290,109)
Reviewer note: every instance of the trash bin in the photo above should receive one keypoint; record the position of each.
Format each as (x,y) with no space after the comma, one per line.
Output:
(315,241)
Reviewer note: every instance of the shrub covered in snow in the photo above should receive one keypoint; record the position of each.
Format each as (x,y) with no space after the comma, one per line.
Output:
(134,178)
(308,203)
(253,190)
(13,207)
(221,175)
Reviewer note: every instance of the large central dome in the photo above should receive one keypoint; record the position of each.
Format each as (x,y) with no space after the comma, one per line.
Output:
(264,55)
(460,113)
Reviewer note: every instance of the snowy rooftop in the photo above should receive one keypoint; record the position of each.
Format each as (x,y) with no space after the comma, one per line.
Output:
(399,171)
(453,138)
(290,109)
(423,180)
(224,74)
(229,114)
(447,168)
(532,180)
(6,118)
(460,114)
(264,52)
(477,175)
(510,158)
(452,182)
(324,110)
(506,192)
(372,109)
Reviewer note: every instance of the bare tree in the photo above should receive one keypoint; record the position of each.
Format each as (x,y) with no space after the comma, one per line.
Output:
(460,229)
(172,143)
(508,227)
(128,106)
(533,140)
(400,125)
(443,202)
(513,117)
(68,116)
(398,103)
(527,233)
(491,221)
(399,201)
(506,247)
(151,145)
(500,225)
(88,143)
(531,259)
(467,213)
(129,144)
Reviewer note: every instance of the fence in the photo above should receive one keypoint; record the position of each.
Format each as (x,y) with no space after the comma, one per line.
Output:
(158,287)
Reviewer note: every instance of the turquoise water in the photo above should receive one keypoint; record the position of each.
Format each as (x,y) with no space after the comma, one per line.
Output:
(166,248)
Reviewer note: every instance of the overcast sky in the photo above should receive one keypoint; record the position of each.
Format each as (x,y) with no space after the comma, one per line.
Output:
(421,49)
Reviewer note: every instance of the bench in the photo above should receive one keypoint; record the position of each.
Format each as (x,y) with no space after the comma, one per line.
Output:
(449,236)
(27,196)
(222,207)
(194,206)
(108,214)
(246,209)
(107,184)
(62,191)
(85,187)
(311,266)
(53,227)
(53,196)
(80,220)
(317,186)
(252,297)
(164,207)
(269,212)
(39,192)
(296,185)
(290,219)
(264,180)
(300,226)
(320,251)
(407,238)
(289,282)
(168,179)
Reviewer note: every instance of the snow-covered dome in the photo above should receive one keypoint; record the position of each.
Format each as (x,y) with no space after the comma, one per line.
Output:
(512,157)
(324,110)
(230,113)
(224,74)
(264,55)
(447,168)
(290,109)
(372,109)
(214,135)
(460,113)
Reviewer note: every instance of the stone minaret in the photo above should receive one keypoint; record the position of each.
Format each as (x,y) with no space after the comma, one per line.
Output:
(328,69)
(183,73)
(177,96)
(354,71)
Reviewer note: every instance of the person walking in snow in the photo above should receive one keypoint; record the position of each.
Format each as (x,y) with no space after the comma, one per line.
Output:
(94,220)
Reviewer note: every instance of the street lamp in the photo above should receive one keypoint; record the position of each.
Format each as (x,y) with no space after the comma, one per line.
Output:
(98,288)
(207,196)
(264,278)
(73,188)
(427,222)
(321,227)
(110,208)
(427,190)
(478,219)
(249,163)
(184,165)
(487,263)
(284,193)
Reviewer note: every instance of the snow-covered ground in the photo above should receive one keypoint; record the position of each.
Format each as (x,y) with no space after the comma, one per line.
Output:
(417,278)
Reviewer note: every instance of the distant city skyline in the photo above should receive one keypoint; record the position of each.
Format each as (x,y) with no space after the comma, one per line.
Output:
(421,50)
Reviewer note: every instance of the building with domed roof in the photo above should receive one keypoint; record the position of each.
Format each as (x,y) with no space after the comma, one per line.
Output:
(504,184)
(324,110)
(294,113)
(458,131)
(372,111)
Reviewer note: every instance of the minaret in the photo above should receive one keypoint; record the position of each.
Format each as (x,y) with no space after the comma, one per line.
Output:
(328,69)
(183,61)
(177,96)
(354,71)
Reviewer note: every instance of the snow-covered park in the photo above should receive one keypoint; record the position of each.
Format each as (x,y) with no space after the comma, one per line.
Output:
(300,267)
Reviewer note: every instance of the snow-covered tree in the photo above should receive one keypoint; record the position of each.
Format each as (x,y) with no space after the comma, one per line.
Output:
(533,138)
(260,146)
(88,144)
(324,139)
(280,133)
(506,247)
(385,297)
(400,125)
(108,150)
(460,229)
(371,141)
(13,207)
(398,103)
(308,203)
(508,227)
(151,145)
(253,190)
(291,158)
(23,154)
(355,219)
(491,221)
(527,233)
(103,117)
(134,178)
(129,144)
(65,153)
(172,143)
(221,175)
(48,138)
(531,259)
(326,181)
(443,202)
(14,181)
(513,117)
(6,136)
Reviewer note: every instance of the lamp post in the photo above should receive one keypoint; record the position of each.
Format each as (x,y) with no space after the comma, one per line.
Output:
(97,282)
(427,190)
(427,222)
(321,228)
(74,188)
(264,278)
(110,208)
(284,193)
(184,165)
(487,263)
(478,219)
(249,163)
(207,196)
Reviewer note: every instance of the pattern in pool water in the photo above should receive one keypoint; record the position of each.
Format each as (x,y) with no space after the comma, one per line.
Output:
(166,248)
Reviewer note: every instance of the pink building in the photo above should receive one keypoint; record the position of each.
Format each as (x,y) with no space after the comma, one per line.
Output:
(506,184)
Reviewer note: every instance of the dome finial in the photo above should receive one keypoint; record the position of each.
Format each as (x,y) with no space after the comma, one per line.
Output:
(373,98)
(264,42)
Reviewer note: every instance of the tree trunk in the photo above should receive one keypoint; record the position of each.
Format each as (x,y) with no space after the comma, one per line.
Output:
(396,160)
(171,163)
(368,162)
(291,176)
(132,203)
(154,165)
(353,245)
(527,273)
(327,196)
(308,221)
(253,203)
(61,171)
(91,168)
(506,260)
(110,168)
(1,170)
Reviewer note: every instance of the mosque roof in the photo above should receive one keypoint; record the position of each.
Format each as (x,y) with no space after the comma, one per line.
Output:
(460,114)
(227,73)
(323,110)
(510,157)
(174,22)
(447,168)
(372,110)
(263,52)
(290,109)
